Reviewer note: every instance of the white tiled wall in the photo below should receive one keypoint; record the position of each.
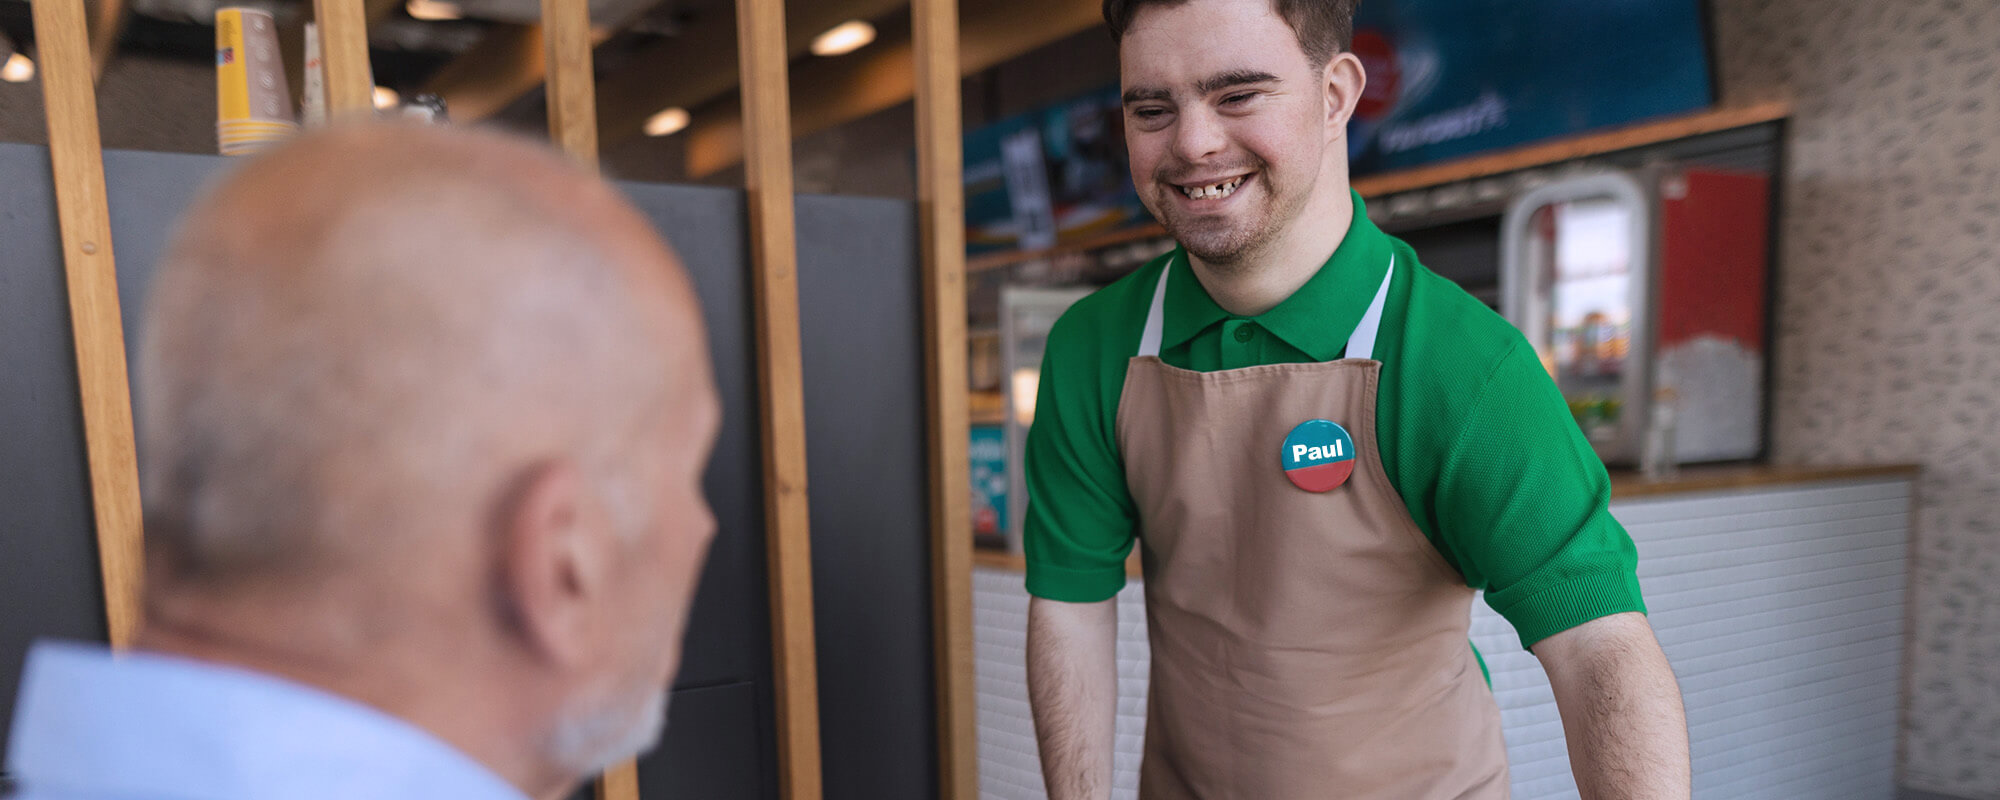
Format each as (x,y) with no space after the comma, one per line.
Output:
(1008,765)
(1781,610)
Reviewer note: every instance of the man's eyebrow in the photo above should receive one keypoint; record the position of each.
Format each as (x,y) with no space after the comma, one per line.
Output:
(1143,93)
(1236,77)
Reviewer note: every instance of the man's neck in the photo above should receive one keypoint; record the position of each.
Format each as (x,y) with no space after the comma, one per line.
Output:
(1268,276)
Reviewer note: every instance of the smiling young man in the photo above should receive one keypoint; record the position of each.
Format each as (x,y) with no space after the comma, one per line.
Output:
(1324,450)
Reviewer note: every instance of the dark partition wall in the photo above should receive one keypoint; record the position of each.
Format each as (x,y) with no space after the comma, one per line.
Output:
(720,740)
(49,583)
(861,329)
(861,319)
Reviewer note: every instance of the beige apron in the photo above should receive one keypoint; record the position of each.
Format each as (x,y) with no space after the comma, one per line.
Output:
(1303,645)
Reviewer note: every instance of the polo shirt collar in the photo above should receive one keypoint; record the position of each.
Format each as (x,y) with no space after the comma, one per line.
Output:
(1317,319)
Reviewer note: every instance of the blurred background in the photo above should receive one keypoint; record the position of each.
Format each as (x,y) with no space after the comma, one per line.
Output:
(1756,242)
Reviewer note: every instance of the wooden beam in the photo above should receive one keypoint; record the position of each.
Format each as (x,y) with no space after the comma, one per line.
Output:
(77,159)
(692,68)
(343,47)
(781,392)
(106,23)
(620,782)
(506,63)
(567,39)
(572,95)
(685,71)
(941,218)
(881,76)
(379,11)
(682,72)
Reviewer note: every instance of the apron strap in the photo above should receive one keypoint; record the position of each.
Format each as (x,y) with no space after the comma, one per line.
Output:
(1359,345)
(1362,343)
(1156,321)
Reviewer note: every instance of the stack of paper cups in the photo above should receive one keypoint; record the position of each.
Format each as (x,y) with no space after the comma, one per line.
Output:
(313,105)
(253,102)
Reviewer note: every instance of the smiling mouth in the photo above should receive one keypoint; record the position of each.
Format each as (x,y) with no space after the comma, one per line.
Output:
(1212,191)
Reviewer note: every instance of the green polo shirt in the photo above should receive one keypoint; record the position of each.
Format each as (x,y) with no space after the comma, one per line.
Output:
(1472,431)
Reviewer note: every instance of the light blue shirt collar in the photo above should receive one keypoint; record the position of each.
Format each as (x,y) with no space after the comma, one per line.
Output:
(92,725)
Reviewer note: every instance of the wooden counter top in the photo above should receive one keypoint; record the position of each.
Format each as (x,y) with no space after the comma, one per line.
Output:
(1625,485)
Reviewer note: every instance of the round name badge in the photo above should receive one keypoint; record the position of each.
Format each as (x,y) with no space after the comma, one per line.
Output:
(1318,456)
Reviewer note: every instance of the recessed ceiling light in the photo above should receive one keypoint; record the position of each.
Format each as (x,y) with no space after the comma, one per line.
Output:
(844,38)
(668,122)
(434,10)
(18,69)
(386,97)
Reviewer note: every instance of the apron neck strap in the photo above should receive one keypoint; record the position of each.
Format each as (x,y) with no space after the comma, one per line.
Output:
(1156,319)
(1361,344)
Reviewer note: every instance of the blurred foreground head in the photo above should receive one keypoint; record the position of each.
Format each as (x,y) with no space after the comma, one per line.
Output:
(424,416)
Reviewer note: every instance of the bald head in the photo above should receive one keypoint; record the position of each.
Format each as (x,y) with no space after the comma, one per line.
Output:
(413,399)
(354,335)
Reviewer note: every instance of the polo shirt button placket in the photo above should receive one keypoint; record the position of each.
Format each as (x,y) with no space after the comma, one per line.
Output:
(1237,348)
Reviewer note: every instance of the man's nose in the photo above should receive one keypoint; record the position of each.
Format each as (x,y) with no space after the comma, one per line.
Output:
(1198,135)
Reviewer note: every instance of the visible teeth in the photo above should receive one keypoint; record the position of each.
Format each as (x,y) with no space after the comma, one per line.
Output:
(1217,190)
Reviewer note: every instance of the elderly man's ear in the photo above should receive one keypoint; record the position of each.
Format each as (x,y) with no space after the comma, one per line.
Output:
(556,559)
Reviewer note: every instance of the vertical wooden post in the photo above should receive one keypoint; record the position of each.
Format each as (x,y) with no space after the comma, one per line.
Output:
(572,98)
(620,782)
(572,89)
(760,33)
(77,160)
(343,46)
(941,216)
(109,23)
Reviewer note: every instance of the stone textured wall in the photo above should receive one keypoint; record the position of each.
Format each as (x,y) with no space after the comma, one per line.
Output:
(1889,310)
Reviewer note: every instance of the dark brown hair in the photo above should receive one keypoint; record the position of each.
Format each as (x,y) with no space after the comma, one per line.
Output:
(1324,27)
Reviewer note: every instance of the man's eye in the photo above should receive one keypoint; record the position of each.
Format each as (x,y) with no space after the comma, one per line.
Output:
(1238,99)
(1149,113)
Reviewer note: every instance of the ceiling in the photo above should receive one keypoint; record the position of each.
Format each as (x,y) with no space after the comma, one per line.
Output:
(651,54)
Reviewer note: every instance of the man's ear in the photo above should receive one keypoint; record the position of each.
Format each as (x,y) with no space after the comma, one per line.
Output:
(1345,79)
(553,563)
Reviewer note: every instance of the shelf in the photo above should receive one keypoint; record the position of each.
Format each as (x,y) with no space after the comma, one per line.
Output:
(1499,163)
(1573,147)
(988,408)
(1009,258)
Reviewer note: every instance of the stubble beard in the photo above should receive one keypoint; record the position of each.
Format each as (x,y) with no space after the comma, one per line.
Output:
(1233,243)
(592,736)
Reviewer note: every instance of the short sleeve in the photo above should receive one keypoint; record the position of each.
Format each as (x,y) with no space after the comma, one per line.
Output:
(1523,503)
(1080,520)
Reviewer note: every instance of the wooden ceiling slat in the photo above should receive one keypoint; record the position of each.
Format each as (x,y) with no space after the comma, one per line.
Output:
(828,93)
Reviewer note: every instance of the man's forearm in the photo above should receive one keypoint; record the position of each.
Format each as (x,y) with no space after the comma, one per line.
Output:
(1073,689)
(1621,710)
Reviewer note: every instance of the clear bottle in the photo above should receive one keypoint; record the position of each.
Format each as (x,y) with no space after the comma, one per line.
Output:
(1657,460)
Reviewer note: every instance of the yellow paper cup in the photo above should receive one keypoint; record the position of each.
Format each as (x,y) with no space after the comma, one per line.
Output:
(249,71)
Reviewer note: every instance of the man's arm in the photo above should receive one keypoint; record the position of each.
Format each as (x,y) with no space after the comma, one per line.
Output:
(1073,689)
(1621,709)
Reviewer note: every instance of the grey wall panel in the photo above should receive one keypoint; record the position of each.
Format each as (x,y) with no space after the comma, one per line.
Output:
(861,317)
(861,321)
(148,193)
(46,529)
(713,749)
(729,635)
(48,560)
